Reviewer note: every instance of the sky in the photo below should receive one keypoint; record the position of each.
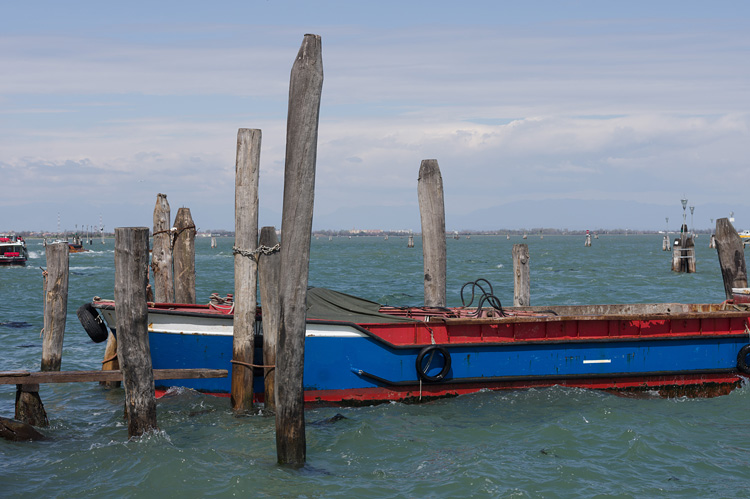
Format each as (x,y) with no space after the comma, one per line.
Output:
(560,114)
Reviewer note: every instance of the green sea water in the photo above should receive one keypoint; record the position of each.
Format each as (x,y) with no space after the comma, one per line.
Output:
(555,442)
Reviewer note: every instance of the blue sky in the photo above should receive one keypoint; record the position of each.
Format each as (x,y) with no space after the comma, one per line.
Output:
(613,110)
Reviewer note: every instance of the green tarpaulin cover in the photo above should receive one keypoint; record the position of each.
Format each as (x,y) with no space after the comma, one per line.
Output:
(326,304)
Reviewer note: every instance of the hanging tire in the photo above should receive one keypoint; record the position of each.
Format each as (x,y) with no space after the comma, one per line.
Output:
(92,323)
(432,350)
(742,364)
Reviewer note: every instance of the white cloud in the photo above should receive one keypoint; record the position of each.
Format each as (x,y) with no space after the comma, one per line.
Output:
(589,110)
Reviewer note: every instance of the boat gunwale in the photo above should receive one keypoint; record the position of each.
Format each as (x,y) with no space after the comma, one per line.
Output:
(199,310)
(362,328)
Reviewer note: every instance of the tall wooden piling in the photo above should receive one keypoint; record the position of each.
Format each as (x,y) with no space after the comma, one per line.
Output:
(55,305)
(268,273)
(432,212)
(247,169)
(131,261)
(306,84)
(521,276)
(731,256)
(184,257)
(683,252)
(161,255)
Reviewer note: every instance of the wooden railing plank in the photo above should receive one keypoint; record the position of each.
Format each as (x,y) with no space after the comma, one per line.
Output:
(27,377)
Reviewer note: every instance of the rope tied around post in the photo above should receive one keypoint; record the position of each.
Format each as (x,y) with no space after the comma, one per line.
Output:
(174,233)
(247,364)
(266,250)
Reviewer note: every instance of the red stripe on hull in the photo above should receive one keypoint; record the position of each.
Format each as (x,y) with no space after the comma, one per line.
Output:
(688,385)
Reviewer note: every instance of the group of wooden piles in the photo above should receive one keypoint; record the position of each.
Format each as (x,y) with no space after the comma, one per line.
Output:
(29,409)
(283,275)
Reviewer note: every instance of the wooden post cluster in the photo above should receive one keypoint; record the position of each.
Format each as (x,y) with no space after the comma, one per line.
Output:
(410,242)
(731,254)
(683,252)
(247,169)
(587,242)
(665,243)
(173,255)
(432,212)
(184,257)
(521,276)
(161,255)
(268,275)
(306,84)
(131,264)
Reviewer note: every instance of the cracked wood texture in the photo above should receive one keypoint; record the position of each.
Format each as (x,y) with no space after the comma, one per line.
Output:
(246,177)
(432,212)
(305,87)
(131,272)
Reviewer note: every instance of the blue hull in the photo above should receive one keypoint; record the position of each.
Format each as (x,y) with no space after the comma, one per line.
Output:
(338,364)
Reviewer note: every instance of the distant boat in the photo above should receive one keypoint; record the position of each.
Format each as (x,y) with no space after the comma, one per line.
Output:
(745,234)
(13,250)
(74,247)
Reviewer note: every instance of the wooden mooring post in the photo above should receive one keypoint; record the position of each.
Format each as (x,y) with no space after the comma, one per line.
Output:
(184,257)
(55,305)
(683,252)
(731,254)
(29,408)
(131,264)
(432,213)
(521,276)
(306,84)
(269,261)
(161,254)
(247,168)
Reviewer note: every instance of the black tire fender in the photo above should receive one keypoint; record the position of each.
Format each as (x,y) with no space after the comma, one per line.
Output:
(92,323)
(432,349)
(742,364)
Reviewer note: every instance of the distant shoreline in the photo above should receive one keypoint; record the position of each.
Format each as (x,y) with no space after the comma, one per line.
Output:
(398,233)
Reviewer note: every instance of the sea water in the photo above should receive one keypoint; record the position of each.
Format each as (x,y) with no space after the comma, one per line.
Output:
(554,442)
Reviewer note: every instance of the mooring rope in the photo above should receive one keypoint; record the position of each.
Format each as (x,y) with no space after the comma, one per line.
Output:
(251,365)
(266,250)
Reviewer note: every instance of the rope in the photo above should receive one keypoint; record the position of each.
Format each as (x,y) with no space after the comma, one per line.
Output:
(486,297)
(251,365)
(110,359)
(174,233)
(255,253)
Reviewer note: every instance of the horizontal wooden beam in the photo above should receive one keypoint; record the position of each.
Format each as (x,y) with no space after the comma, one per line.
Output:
(27,377)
